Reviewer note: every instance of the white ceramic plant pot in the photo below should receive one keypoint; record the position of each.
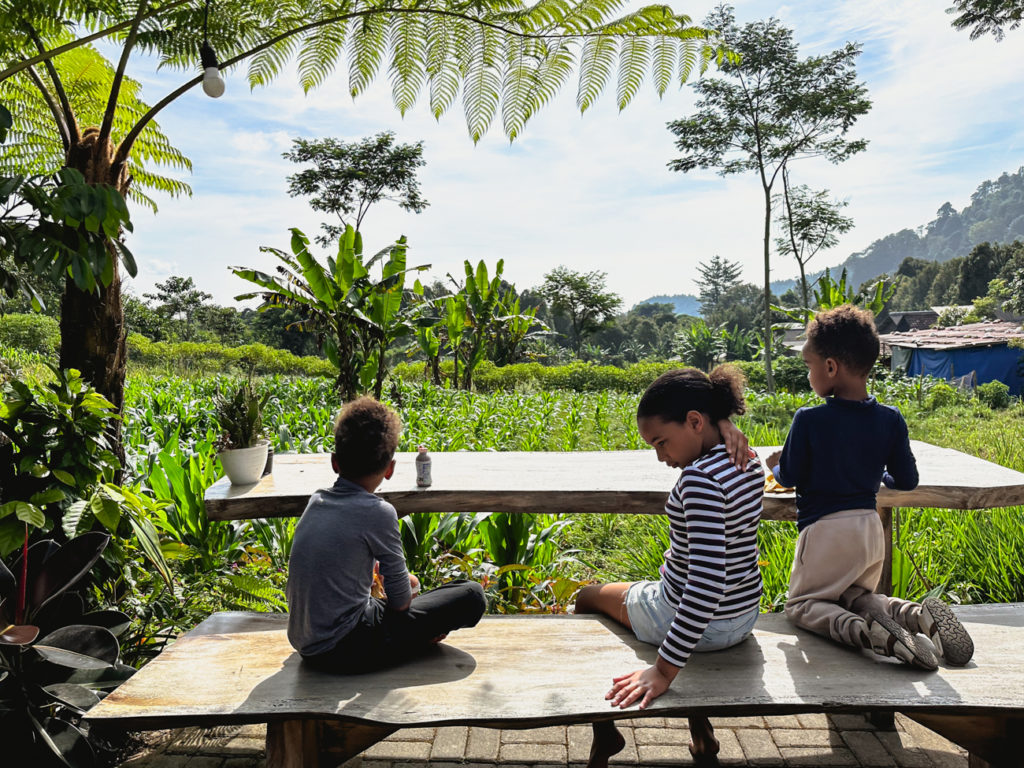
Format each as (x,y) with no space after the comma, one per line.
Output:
(244,465)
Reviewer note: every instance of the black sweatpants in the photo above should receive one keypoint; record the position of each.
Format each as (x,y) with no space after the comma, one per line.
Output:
(384,638)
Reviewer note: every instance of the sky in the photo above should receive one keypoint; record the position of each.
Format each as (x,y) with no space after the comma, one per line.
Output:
(591,192)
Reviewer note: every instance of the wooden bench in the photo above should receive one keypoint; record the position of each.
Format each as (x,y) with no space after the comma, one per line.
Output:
(534,671)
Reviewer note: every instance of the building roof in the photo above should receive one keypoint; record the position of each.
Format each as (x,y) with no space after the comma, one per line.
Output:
(915,319)
(985,334)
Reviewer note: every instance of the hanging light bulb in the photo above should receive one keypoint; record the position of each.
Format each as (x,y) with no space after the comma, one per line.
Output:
(213,83)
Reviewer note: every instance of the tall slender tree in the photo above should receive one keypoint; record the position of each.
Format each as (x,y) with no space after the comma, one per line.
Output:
(769,109)
(506,58)
(810,222)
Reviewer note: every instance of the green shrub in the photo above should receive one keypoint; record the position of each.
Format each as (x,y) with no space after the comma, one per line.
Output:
(994,394)
(188,357)
(33,333)
(943,395)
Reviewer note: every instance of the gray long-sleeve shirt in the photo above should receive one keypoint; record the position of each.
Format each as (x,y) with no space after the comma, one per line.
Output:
(343,530)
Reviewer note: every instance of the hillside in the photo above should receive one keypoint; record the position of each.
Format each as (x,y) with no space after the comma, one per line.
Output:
(684,303)
(995,215)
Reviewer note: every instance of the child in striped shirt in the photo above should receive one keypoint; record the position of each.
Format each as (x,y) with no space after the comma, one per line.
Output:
(710,588)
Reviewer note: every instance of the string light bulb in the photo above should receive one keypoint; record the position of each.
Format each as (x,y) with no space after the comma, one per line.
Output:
(213,83)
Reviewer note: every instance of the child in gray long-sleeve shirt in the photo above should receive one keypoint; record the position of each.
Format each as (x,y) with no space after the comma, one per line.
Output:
(333,621)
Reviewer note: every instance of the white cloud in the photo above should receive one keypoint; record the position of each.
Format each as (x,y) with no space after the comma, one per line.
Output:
(593,192)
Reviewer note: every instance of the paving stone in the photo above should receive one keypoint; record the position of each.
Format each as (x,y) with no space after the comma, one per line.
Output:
(943,753)
(449,744)
(554,734)
(868,750)
(580,737)
(155,760)
(737,722)
(533,753)
(203,761)
(805,737)
(412,734)
(243,762)
(814,721)
(782,721)
(802,756)
(243,745)
(185,741)
(360,762)
(399,750)
(483,744)
(661,754)
(649,736)
(730,752)
(254,731)
(758,746)
(903,750)
(846,722)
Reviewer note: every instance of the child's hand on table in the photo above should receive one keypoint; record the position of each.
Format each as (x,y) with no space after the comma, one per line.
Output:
(649,683)
(773,460)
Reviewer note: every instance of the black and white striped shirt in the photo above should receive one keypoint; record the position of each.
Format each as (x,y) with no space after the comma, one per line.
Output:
(711,566)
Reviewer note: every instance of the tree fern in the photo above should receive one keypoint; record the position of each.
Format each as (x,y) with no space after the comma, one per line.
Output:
(481,82)
(319,53)
(443,33)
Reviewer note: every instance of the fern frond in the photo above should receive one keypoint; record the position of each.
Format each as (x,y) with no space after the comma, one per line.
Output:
(663,62)
(634,54)
(319,53)
(367,40)
(481,82)
(268,63)
(408,60)
(443,35)
(596,61)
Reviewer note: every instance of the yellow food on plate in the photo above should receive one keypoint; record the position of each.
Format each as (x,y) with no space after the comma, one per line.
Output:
(771,485)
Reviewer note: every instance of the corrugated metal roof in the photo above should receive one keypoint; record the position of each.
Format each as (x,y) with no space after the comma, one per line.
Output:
(973,335)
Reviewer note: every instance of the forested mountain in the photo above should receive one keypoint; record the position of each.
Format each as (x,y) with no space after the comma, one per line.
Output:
(684,303)
(994,215)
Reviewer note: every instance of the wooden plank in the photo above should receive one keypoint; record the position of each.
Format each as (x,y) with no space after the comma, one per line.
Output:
(583,482)
(539,670)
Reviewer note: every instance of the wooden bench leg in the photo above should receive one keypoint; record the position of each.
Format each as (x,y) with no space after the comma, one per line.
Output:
(607,742)
(314,743)
(703,744)
(293,744)
(991,740)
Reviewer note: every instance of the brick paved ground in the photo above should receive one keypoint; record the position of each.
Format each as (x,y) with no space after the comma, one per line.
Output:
(796,740)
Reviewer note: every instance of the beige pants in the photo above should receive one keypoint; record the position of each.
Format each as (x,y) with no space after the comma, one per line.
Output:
(836,569)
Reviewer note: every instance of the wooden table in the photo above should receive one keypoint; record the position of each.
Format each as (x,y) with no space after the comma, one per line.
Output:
(583,482)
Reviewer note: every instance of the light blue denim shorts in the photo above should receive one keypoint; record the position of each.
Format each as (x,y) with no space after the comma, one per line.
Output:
(651,615)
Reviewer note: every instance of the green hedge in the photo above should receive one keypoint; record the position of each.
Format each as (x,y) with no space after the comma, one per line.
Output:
(32,333)
(192,357)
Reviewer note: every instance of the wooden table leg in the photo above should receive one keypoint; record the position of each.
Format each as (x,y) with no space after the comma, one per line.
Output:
(885,584)
(607,742)
(312,743)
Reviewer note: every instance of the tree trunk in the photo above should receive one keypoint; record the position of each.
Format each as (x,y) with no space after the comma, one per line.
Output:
(768,291)
(92,334)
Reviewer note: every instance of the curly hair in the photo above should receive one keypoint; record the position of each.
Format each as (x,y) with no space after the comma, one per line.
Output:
(677,392)
(366,435)
(847,334)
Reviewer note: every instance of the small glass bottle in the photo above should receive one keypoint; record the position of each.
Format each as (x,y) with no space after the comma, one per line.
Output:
(422,467)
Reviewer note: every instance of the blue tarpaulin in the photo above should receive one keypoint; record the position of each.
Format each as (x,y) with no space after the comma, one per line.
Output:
(996,363)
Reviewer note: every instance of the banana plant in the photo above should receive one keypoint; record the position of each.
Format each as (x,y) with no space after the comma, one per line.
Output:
(354,316)
(830,293)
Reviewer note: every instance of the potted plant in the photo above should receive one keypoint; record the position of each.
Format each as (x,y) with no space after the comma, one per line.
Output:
(243,451)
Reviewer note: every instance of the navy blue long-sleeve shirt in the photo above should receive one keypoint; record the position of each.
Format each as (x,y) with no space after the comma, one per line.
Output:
(838,453)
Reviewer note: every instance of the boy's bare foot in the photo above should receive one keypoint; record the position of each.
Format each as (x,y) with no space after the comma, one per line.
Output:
(607,742)
(704,746)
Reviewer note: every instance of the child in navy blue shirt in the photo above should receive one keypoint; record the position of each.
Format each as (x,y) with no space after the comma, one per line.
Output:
(836,455)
